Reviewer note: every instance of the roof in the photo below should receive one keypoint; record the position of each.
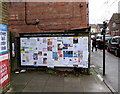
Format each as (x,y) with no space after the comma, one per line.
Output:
(93,25)
(105,35)
(80,28)
(100,25)
(116,36)
(115,17)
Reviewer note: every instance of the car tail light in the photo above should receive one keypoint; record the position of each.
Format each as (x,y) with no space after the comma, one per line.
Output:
(101,40)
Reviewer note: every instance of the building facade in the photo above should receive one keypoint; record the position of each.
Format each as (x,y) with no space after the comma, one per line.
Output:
(93,28)
(4,57)
(36,17)
(114,25)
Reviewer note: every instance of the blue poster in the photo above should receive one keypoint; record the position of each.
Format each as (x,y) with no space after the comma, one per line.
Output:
(55,55)
(67,53)
(3,39)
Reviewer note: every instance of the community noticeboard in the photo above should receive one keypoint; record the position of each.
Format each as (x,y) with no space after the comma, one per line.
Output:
(4,64)
(54,51)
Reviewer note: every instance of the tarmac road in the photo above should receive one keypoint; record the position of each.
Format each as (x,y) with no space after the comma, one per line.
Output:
(111,67)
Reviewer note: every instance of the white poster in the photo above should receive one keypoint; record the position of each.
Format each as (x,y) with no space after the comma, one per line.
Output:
(54,51)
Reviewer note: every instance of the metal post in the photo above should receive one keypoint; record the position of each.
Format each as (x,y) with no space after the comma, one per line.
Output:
(103,33)
(104,55)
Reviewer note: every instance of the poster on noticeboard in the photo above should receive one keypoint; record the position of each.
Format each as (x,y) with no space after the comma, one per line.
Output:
(54,51)
(4,63)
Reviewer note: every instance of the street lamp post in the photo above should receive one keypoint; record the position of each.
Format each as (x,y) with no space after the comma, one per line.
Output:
(103,33)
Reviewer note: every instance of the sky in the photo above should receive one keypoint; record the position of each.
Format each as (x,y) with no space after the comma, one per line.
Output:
(102,10)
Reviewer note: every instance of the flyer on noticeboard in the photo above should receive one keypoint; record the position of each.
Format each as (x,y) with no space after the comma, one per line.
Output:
(54,51)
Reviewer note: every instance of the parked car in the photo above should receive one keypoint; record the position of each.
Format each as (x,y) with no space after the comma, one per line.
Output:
(100,41)
(114,45)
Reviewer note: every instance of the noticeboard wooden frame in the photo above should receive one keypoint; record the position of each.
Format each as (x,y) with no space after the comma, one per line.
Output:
(75,32)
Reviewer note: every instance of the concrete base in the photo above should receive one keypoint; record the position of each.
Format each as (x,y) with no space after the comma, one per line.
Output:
(61,69)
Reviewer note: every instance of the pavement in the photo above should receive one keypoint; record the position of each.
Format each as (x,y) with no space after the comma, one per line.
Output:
(39,81)
(111,68)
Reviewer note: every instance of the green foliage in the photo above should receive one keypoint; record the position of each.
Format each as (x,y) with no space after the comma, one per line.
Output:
(50,71)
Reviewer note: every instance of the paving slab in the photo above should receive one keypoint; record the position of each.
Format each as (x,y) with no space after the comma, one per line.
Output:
(53,89)
(44,82)
(72,84)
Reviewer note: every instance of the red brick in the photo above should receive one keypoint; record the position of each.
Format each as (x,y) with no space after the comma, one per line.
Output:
(62,15)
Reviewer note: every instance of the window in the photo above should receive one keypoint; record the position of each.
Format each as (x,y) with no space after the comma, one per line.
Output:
(114,40)
(114,24)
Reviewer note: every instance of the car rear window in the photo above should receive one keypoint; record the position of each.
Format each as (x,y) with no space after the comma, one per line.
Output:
(99,37)
(118,40)
(108,37)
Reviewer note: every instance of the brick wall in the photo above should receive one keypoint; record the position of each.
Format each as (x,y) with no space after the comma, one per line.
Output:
(3,13)
(3,20)
(114,25)
(53,16)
